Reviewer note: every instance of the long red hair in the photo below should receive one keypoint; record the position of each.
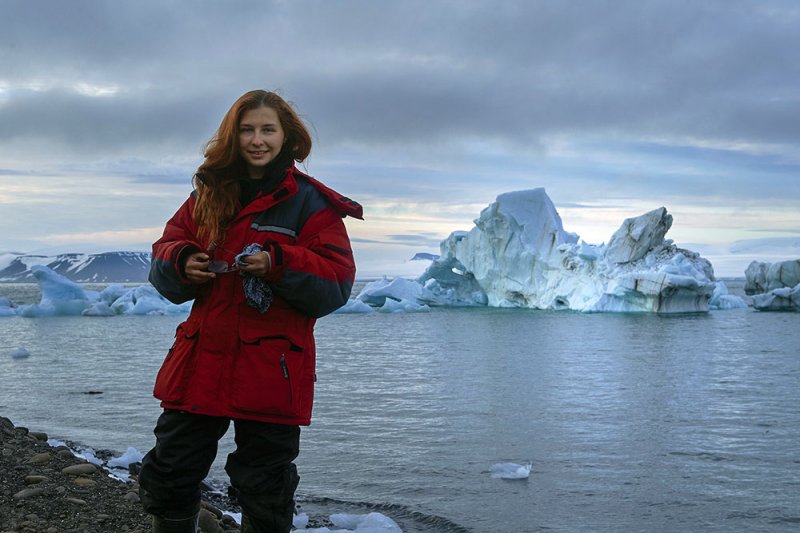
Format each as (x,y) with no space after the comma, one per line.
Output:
(217,179)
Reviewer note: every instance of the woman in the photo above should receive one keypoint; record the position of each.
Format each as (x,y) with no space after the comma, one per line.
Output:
(263,251)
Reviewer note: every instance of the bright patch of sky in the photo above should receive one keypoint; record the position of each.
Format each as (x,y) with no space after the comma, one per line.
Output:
(422,111)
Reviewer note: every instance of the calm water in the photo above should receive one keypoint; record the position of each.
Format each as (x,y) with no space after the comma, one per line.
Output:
(633,423)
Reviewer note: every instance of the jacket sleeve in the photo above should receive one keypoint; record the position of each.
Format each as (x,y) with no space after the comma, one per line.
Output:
(178,241)
(315,275)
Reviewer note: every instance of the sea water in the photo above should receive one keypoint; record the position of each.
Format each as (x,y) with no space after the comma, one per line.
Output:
(631,422)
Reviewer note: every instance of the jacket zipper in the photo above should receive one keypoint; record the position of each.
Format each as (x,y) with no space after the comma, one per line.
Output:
(284,366)
(285,370)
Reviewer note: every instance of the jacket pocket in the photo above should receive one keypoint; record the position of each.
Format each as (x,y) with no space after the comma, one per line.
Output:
(171,382)
(267,376)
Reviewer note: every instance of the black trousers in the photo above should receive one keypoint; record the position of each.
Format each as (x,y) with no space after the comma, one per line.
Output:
(260,469)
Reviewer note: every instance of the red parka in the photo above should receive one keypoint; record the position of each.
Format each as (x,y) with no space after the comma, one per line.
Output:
(228,359)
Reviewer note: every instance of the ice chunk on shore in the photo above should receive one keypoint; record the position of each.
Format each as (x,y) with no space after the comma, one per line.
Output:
(360,523)
(131,455)
(519,255)
(511,470)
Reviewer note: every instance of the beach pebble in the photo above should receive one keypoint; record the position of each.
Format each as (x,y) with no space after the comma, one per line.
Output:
(39,435)
(40,458)
(34,480)
(132,497)
(208,522)
(85,482)
(28,493)
(212,509)
(65,454)
(79,470)
(76,501)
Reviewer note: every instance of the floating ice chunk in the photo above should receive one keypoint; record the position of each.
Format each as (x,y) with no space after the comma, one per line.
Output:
(99,309)
(131,455)
(355,306)
(511,470)
(721,299)
(7,307)
(19,353)
(113,292)
(402,306)
(300,521)
(60,296)
(376,292)
(764,277)
(783,299)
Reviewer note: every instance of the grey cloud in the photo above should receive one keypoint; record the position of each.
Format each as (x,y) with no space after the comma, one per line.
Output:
(402,73)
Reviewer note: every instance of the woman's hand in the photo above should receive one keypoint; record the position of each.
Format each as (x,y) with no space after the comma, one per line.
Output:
(196,269)
(259,264)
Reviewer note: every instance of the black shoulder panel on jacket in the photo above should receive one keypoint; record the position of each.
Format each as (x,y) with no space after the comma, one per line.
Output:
(289,216)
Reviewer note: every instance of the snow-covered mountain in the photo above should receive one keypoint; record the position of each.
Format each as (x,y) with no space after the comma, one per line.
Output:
(107,267)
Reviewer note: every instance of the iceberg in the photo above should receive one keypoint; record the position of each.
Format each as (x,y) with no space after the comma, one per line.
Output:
(783,299)
(519,255)
(722,299)
(763,277)
(774,286)
(398,295)
(62,296)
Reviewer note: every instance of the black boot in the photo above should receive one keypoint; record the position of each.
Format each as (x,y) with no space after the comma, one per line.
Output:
(280,522)
(179,525)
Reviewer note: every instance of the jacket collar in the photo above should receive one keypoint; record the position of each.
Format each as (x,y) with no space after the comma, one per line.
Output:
(287,188)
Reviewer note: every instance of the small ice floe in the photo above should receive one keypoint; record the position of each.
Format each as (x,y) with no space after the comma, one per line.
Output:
(20,353)
(300,521)
(511,470)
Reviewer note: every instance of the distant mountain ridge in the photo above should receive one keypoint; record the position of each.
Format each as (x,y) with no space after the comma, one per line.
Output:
(106,267)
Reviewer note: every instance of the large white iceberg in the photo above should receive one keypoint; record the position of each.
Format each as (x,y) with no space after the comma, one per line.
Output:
(519,255)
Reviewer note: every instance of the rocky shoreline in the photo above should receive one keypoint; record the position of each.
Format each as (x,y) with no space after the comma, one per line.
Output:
(45,489)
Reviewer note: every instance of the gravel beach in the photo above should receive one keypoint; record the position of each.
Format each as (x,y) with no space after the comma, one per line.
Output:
(45,489)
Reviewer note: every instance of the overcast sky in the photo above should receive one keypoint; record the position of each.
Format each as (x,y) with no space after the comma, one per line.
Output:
(423,111)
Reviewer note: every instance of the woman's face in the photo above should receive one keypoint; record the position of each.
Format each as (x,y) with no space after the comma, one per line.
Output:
(261,138)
